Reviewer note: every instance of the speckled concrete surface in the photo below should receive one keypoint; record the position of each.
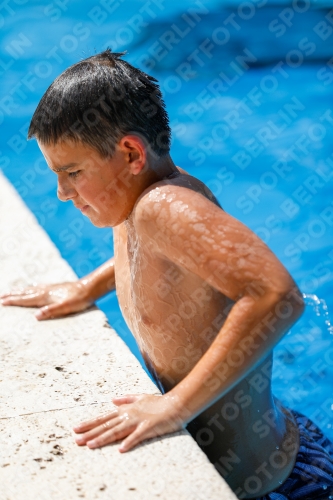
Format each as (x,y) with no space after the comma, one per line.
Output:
(54,374)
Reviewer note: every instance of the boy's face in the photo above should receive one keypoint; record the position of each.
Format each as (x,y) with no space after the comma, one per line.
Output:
(99,187)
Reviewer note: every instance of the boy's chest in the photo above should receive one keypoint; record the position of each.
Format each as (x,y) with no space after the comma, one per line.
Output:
(166,307)
(145,283)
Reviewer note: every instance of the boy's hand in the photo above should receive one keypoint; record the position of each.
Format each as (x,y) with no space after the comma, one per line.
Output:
(54,300)
(138,417)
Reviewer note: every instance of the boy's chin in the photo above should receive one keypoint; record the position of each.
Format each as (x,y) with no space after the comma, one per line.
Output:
(102,222)
(96,221)
(99,223)
(104,219)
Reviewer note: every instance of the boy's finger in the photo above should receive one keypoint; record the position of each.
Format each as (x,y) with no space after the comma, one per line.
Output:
(119,432)
(132,440)
(53,311)
(97,431)
(127,399)
(89,424)
(29,300)
(11,293)
(20,291)
(47,312)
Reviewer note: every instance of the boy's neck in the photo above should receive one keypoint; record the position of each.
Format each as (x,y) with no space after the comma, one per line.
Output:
(156,170)
(162,168)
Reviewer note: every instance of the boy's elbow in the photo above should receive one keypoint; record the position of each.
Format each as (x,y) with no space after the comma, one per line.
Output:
(290,299)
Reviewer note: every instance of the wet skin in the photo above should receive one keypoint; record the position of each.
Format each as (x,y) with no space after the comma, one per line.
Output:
(151,290)
(206,301)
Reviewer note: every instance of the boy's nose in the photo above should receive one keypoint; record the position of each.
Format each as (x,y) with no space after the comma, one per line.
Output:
(65,193)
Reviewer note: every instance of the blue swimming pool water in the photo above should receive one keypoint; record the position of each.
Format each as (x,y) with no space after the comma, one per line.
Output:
(248,87)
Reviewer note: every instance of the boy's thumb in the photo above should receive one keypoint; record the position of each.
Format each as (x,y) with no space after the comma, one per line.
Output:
(123,400)
(48,312)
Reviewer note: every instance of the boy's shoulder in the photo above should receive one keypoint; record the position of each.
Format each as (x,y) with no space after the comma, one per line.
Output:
(175,213)
(176,194)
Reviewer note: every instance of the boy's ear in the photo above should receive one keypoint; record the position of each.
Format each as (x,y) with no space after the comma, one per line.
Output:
(135,153)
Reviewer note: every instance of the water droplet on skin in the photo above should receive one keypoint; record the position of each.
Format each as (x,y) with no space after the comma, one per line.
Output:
(324,487)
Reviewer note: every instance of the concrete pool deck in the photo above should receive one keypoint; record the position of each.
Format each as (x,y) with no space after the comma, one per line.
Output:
(59,372)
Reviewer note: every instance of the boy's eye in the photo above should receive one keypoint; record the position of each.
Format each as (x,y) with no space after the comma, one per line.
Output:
(74,174)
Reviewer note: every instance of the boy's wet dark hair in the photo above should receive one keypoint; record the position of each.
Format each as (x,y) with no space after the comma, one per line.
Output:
(97,101)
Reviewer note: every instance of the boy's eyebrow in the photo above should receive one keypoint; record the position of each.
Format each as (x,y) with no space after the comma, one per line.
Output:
(65,167)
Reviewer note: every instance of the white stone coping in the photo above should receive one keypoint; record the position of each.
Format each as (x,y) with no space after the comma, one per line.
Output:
(56,373)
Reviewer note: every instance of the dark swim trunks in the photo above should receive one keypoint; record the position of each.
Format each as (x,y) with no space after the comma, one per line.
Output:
(312,476)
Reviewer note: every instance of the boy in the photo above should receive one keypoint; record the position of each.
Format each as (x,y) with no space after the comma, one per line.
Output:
(204,297)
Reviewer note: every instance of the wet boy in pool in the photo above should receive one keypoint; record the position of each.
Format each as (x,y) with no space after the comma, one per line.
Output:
(204,297)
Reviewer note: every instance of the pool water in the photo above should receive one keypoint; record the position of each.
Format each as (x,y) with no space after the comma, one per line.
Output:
(248,88)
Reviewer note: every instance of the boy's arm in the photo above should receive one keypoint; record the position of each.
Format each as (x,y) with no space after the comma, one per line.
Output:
(101,281)
(195,234)
(57,300)
(210,243)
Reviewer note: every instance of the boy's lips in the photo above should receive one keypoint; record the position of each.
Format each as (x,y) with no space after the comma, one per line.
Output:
(83,208)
